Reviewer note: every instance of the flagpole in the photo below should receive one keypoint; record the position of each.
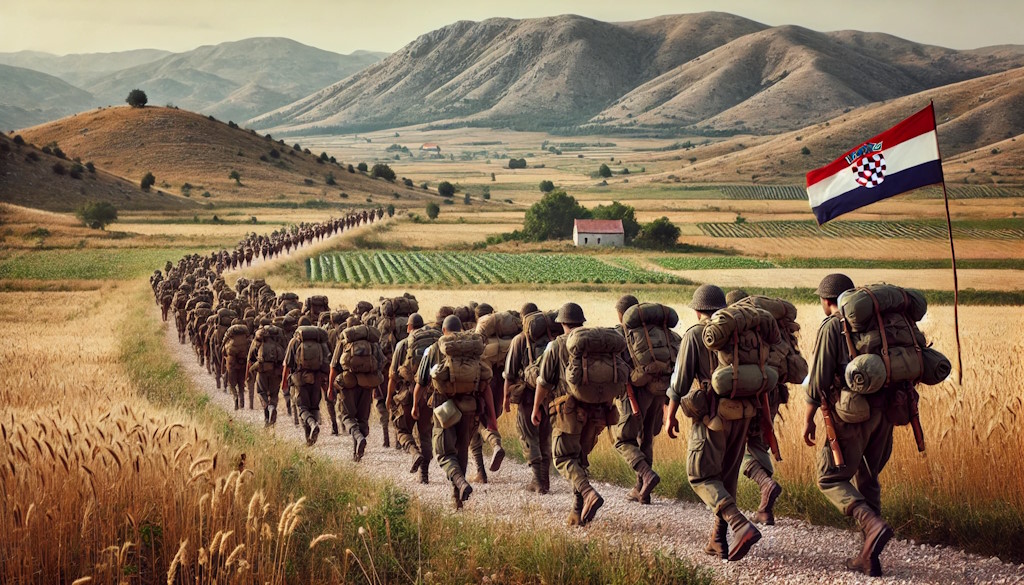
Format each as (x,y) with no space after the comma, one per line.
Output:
(952,253)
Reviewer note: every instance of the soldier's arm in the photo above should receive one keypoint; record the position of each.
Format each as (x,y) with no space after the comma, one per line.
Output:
(511,371)
(823,371)
(422,380)
(687,366)
(547,381)
(393,374)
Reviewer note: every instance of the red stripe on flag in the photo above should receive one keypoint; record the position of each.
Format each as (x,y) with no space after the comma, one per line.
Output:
(914,126)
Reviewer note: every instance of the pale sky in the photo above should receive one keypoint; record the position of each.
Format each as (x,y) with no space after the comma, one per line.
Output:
(88,26)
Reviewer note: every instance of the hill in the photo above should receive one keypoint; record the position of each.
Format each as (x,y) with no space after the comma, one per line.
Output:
(29,177)
(29,97)
(181,147)
(704,73)
(234,80)
(80,69)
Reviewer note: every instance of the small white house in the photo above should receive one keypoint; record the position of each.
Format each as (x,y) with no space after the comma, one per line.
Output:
(598,232)
(431,147)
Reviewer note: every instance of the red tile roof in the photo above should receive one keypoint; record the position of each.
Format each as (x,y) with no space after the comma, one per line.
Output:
(599,226)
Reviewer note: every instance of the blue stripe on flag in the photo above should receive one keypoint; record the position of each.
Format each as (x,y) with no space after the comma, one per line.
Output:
(922,175)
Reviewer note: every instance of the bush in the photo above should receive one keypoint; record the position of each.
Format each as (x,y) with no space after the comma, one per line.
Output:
(626,213)
(407,182)
(297,147)
(19,140)
(465,199)
(76,171)
(90,167)
(382,171)
(147,181)
(552,217)
(206,195)
(362,167)
(604,171)
(58,168)
(805,151)
(137,98)
(547,186)
(324,157)
(236,177)
(343,195)
(351,169)
(274,153)
(231,124)
(514,163)
(97,215)
(329,179)
(391,210)
(32,156)
(433,209)
(660,234)
(446,189)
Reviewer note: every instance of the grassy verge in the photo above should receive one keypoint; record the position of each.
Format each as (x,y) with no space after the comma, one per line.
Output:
(733,262)
(88,264)
(392,536)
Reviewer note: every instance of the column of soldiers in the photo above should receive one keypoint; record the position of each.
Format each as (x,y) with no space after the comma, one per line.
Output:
(442,385)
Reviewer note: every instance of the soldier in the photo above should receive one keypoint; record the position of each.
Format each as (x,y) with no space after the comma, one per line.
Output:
(524,353)
(493,438)
(265,363)
(401,385)
(234,352)
(634,434)
(713,464)
(356,370)
(451,445)
(576,425)
(338,320)
(306,364)
(853,489)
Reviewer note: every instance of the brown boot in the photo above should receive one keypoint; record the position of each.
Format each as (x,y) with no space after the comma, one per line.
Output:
(577,507)
(424,473)
(536,484)
(634,492)
(462,487)
(592,502)
(385,429)
(744,534)
(456,498)
(649,480)
(545,476)
(481,471)
(877,533)
(770,491)
(417,463)
(718,545)
(496,458)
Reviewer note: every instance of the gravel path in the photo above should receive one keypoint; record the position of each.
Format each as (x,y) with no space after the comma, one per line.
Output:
(792,551)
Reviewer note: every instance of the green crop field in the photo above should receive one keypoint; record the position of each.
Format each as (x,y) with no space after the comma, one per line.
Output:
(710,262)
(911,230)
(89,264)
(462,268)
(765,192)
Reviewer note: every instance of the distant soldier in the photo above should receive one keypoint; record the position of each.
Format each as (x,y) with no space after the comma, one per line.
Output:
(413,436)
(854,488)
(307,364)
(492,438)
(356,370)
(716,445)
(235,351)
(265,363)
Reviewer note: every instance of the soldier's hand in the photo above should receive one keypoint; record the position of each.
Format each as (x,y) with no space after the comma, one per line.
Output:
(536,418)
(809,431)
(415,412)
(672,426)
(507,406)
(390,403)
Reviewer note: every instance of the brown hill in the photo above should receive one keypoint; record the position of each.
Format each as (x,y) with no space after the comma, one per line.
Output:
(31,178)
(181,147)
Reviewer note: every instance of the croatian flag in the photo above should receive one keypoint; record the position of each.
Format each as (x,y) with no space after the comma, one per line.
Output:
(898,160)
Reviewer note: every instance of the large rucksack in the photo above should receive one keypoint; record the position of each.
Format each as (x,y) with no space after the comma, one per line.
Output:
(467,317)
(399,306)
(596,373)
(461,371)
(270,354)
(288,302)
(415,348)
(652,345)
(498,329)
(360,360)
(315,305)
(311,354)
(784,355)
(236,344)
(742,336)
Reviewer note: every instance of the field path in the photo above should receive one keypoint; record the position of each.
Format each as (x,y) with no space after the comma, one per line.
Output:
(790,552)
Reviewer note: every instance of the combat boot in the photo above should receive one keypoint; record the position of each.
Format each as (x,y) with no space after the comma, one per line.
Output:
(877,533)
(634,492)
(574,515)
(649,480)
(496,458)
(266,417)
(744,534)
(481,472)
(385,429)
(536,485)
(314,434)
(424,473)
(334,426)
(545,477)
(417,463)
(358,445)
(592,502)
(273,414)
(718,545)
(456,498)
(252,398)
(462,487)
(770,491)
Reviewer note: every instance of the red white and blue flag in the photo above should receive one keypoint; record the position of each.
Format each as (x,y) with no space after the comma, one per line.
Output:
(903,158)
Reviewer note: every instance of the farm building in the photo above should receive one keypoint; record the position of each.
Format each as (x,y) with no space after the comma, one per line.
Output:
(431,147)
(598,232)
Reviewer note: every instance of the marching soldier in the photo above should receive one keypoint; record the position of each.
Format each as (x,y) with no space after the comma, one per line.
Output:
(413,436)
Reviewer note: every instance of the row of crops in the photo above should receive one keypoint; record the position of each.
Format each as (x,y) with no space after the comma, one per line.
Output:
(467,268)
(765,192)
(797,192)
(710,262)
(854,229)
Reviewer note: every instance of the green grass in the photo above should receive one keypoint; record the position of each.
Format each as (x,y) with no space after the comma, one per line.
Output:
(729,262)
(1003,229)
(88,264)
(406,540)
(710,262)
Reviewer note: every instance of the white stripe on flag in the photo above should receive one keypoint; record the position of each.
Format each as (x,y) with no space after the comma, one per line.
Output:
(905,155)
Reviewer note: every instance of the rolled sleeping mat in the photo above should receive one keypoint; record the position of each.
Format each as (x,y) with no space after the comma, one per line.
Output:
(750,380)
(865,374)
(936,367)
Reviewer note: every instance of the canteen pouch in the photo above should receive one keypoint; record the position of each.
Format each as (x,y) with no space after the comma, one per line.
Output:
(569,418)
(448,414)
(898,405)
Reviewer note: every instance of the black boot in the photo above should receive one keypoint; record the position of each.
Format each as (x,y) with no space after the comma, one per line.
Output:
(425,473)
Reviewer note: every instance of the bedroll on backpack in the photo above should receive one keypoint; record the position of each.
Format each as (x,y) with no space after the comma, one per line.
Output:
(236,343)
(596,373)
(310,355)
(726,324)
(743,381)
(499,329)
(784,355)
(415,348)
(652,344)
(858,306)
(460,370)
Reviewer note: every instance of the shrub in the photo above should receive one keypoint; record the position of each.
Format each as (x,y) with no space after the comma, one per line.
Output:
(32,156)
(382,171)
(433,209)
(446,189)
(97,215)
(552,217)
(351,169)
(514,163)
(58,168)
(236,177)
(231,124)
(660,234)
(362,167)
(297,147)
(391,210)
(206,195)
(604,171)
(805,151)
(324,157)
(147,181)
(343,195)
(547,186)
(137,98)
(492,178)
(465,199)
(329,179)
(19,140)
(407,182)
(76,171)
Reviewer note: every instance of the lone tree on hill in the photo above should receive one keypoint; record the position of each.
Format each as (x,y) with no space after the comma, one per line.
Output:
(137,98)
(97,215)
(382,171)
(433,209)
(147,181)
(236,177)
(446,189)
(604,171)
(547,186)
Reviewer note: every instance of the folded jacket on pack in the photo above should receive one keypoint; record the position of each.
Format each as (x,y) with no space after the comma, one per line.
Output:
(858,306)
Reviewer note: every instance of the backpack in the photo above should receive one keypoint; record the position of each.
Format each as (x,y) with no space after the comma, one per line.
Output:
(468,318)
(743,336)
(596,373)
(316,304)
(311,349)
(415,348)
(460,370)
(270,354)
(785,355)
(236,344)
(225,317)
(360,358)
(652,345)
(399,306)
(499,329)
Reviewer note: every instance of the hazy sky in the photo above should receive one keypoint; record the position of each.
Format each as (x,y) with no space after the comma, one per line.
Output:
(85,26)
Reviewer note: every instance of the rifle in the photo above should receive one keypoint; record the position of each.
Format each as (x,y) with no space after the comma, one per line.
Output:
(915,421)
(830,433)
(632,399)
(766,427)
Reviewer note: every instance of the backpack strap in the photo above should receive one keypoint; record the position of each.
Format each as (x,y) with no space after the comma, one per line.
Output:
(917,346)
(735,363)
(885,338)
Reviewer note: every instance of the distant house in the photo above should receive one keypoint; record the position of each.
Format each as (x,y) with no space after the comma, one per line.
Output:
(431,147)
(598,232)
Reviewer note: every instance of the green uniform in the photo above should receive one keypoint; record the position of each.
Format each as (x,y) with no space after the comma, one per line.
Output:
(451,445)
(634,433)
(355,402)
(413,435)
(305,393)
(268,376)
(536,439)
(758,452)
(866,446)
(493,438)
(714,458)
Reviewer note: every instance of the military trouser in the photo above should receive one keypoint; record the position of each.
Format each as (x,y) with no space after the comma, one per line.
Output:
(536,439)
(268,386)
(451,445)
(575,430)
(179,322)
(380,404)
(758,452)
(713,461)
(308,404)
(493,438)
(218,370)
(634,434)
(413,436)
(332,408)
(165,307)
(355,410)
(866,448)
(235,381)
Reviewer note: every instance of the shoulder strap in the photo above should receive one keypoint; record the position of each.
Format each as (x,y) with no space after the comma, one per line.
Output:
(885,338)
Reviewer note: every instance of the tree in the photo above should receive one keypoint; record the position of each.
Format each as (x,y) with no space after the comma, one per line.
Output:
(547,186)
(604,171)
(805,151)
(446,189)
(382,171)
(517,163)
(626,213)
(236,177)
(97,215)
(147,181)
(552,217)
(466,199)
(660,234)
(137,98)
(433,209)
(362,167)
(391,210)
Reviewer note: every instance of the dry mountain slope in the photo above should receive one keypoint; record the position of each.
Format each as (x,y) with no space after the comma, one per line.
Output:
(184,147)
(706,72)
(27,178)
(29,97)
(79,69)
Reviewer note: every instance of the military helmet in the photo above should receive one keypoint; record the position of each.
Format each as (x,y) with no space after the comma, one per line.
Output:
(834,285)
(735,295)
(571,314)
(708,298)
